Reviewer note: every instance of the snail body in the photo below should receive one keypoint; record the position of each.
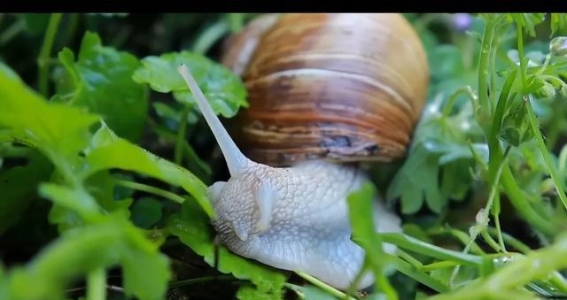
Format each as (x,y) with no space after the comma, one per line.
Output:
(291,218)
(287,207)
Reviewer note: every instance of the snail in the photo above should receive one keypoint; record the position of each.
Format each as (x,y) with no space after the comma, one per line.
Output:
(326,91)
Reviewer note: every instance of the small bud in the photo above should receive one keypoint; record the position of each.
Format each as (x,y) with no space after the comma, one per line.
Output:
(563,91)
(462,21)
(473,232)
(482,218)
(546,91)
(512,136)
(558,46)
(547,186)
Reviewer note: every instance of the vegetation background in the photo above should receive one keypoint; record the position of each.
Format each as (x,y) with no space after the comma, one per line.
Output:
(104,163)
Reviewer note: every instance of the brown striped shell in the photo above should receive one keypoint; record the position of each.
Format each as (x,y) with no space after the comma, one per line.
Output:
(345,86)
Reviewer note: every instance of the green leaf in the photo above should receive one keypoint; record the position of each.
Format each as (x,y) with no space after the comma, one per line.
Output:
(110,243)
(456,178)
(101,80)
(108,151)
(56,129)
(18,186)
(102,186)
(360,211)
(223,88)
(528,21)
(146,212)
(36,22)
(515,125)
(171,116)
(73,206)
(417,181)
(193,162)
(449,61)
(558,22)
(247,292)
(192,227)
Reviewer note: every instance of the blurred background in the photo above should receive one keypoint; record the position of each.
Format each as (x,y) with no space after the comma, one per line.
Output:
(452,45)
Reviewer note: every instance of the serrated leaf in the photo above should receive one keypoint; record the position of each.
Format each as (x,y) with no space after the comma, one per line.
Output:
(223,88)
(101,80)
(109,243)
(456,179)
(192,227)
(417,181)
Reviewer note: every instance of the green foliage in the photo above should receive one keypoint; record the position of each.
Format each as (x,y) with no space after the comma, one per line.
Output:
(62,134)
(224,88)
(125,171)
(101,80)
(17,197)
(112,241)
(363,231)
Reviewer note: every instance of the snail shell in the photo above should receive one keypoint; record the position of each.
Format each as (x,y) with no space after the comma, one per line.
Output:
(346,87)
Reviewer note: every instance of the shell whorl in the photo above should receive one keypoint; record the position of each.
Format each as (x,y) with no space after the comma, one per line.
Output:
(347,87)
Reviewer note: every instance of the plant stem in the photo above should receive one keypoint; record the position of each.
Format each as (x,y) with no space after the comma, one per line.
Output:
(409,258)
(438,265)
(493,204)
(510,240)
(96,284)
(519,33)
(199,280)
(418,246)
(545,153)
(496,246)
(483,69)
(150,189)
(465,90)
(555,125)
(423,278)
(499,233)
(463,237)
(562,160)
(12,31)
(210,36)
(72,26)
(45,52)
(327,288)
(181,132)
(517,199)
(236,21)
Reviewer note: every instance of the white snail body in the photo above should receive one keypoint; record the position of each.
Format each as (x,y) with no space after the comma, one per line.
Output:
(292,218)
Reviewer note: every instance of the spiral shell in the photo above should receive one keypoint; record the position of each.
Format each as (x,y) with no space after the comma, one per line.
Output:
(346,87)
